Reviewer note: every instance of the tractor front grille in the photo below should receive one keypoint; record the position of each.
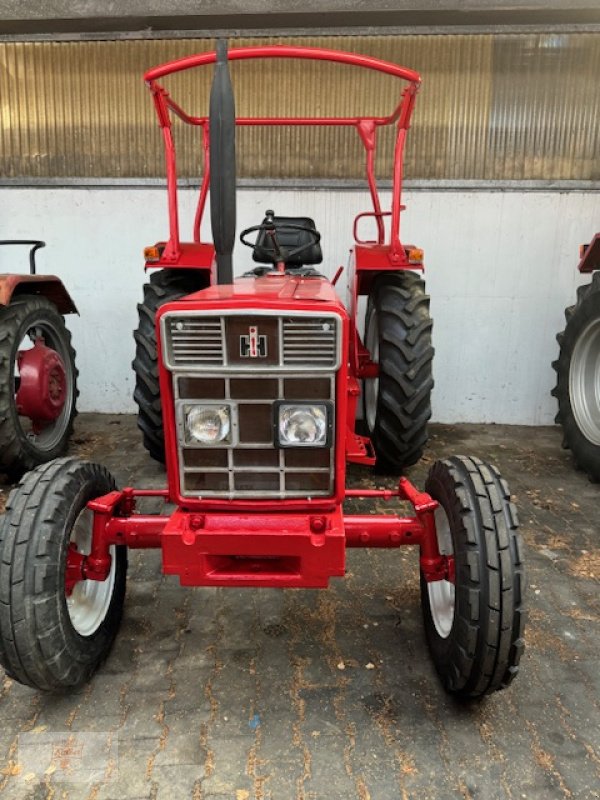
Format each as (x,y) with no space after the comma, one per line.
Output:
(295,358)
(290,342)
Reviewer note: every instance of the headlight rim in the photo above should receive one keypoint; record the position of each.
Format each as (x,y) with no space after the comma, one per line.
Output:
(329,409)
(187,440)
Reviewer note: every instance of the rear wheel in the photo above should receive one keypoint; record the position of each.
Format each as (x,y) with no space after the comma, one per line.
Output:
(164,287)
(578,379)
(55,631)
(474,625)
(38,384)
(397,404)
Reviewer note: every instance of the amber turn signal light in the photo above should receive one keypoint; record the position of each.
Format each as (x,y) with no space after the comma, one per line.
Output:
(151,253)
(415,255)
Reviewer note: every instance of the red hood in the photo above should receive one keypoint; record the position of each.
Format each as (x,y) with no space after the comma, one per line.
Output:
(271,287)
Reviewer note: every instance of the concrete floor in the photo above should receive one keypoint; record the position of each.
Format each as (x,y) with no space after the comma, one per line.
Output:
(242,694)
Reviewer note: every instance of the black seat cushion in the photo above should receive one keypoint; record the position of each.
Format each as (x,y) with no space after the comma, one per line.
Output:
(288,240)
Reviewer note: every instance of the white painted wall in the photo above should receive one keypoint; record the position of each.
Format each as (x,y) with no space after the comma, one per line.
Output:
(501,267)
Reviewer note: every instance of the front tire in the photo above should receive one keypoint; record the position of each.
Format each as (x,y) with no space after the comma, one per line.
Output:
(25,443)
(48,640)
(578,379)
(397,404)
(164,287)
(474,627)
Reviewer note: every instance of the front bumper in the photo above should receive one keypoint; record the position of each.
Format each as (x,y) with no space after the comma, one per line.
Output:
(276,549)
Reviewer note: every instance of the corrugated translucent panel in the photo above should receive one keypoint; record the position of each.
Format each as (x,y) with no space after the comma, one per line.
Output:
(492,107)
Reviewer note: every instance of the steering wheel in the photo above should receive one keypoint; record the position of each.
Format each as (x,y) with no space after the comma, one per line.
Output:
(270,228)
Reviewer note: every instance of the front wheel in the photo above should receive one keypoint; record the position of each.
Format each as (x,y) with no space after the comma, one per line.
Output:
(55,632)
(474,625)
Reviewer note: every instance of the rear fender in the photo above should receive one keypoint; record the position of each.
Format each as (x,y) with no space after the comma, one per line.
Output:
(49,286)
(366,263)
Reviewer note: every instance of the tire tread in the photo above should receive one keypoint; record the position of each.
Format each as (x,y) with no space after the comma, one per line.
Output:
(491,563)
(164,286)
(31,535)
(586,455)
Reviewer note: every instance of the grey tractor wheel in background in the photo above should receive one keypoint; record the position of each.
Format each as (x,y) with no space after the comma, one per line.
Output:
(49,639)
(578,379)
(474,626)
(25,443)
(164,287)
(397,404)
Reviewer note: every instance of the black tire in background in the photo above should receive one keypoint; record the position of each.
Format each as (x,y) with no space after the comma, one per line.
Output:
(164,286)
(397,404)
(41,643)
(474,628)
(20,449)
(578,379)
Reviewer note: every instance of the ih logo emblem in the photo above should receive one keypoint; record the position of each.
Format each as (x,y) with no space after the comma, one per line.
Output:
(253,345)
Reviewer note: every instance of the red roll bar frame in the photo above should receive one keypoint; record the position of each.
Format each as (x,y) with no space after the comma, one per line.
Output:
(365,126)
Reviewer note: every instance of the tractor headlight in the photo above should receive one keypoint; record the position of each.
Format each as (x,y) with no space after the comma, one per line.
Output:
(207,424)
(303,424)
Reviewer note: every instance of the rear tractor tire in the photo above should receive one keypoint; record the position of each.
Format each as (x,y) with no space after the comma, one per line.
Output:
(33,435)
(54,636)
(397,404)
(164,287)
(578,379)
(474,626)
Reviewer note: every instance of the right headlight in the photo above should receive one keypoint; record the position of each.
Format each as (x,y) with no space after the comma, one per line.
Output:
(303,424)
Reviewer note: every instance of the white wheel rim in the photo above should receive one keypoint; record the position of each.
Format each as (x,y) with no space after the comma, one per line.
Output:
(89,601)
(442,593)
(372,384)
(584,382)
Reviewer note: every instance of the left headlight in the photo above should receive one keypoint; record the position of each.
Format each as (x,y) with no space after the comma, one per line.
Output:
(207,424)
(303,425)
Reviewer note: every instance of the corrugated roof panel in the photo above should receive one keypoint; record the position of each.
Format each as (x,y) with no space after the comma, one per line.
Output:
(492,107)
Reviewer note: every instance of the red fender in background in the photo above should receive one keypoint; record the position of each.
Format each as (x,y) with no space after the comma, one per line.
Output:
(48,286)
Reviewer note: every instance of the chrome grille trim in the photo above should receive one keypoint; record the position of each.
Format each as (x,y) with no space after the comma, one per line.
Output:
(307,343)
(236,445)
(194,341)
(200,343)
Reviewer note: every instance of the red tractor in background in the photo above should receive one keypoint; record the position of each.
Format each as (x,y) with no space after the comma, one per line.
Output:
(248,389)
(577,368)
(38,377)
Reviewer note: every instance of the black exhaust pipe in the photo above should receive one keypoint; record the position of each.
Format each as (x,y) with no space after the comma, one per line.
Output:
(222,165)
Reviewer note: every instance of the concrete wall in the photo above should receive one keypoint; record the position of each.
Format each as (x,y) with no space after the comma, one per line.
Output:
(500,270)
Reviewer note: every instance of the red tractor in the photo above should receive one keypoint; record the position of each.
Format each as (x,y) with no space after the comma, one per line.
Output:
(578,368)
(248,389)
(38,378)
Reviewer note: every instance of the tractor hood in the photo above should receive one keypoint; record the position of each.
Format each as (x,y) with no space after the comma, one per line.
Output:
(268,288)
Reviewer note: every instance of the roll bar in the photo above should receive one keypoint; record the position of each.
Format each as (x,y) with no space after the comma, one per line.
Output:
(284,51)
(366,127)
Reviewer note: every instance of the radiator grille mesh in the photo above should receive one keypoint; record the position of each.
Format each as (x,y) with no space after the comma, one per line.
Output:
(251,466)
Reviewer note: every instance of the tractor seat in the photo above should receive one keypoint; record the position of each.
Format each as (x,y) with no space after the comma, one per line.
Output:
(289,240)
